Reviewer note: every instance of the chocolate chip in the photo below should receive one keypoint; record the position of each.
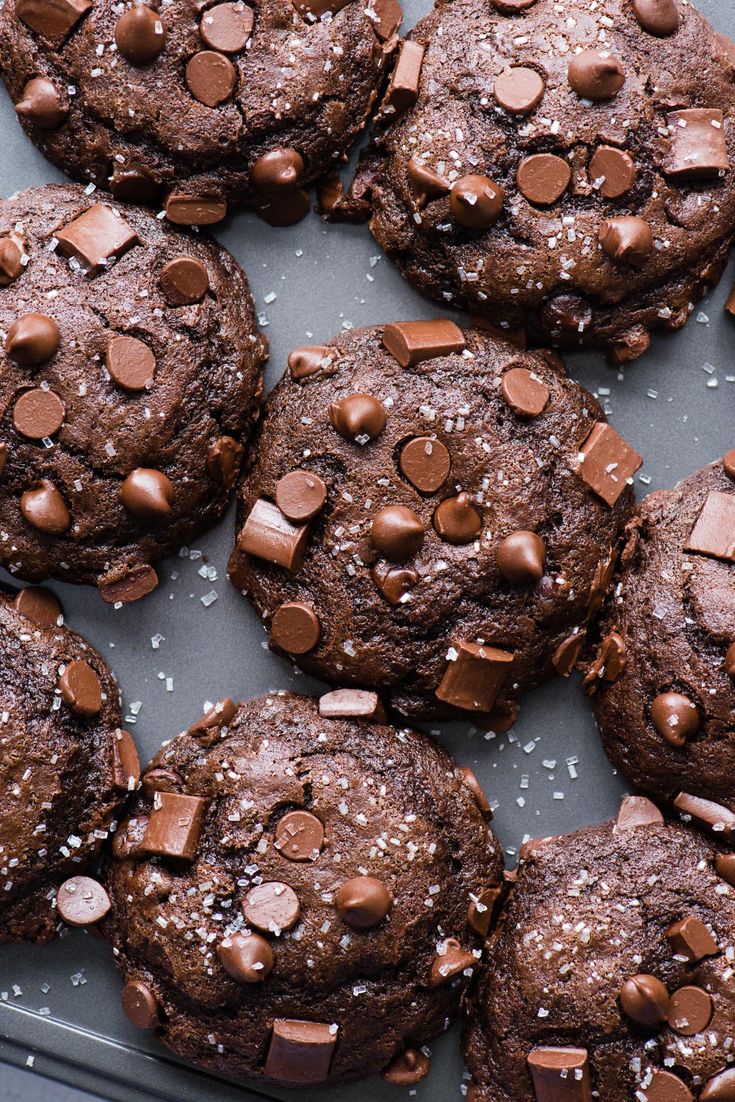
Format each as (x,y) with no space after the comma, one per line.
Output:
(690,938)
(397,532)
(96,238)
(300,1052)
(543,178)
(612,171)
(52,20)
(174,825)
(595,74)
(271,907)
(286,209)
(125,762)
(281,169)
(352,704)
(426,182)
(566,314)
(412,342)
(360,417)
(192,210)
(645,1000)
(269,535)
(127,584)
(248,958)
(407,1068)
(394,582)
(184,281)
(560,1074)
(610,662)
(130,362)
(426,463)
(11,260)
(81,689)
(526,394)
(299,836)
(224,459)
(147,493)
(387,18)
(221,715)
(82,901)
(304,362)
(627,239)
(160,780)
(133,185)
(721,1088)
(139,1004)
(300,495)
(666,1087)
(470,781)
(519,90)
(295,628)
(481,909)
(706,812)
(140,35)
(38,414)
(211,78)
(450,961)
(315,9)
(566,655)
(45,509)
(659,17)
(675,717)
(42,104)
(725,867)
(729,663)
(3,458)
(473,676)
(637,811)
(38,604)
(457,521)
(403,88)
(607,462)
(521,557)
(476,202)
(512,7)
(227,27)
(728,464)
(698,146)
(32,339)
(713,533)
(690,1011)
(363,902)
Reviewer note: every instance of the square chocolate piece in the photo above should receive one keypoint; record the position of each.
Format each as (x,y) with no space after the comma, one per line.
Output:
(560,1074)
(698,147)
(300,1052)
(52,20)
(96,238)
(714,531)
(271,536)
(403,89)
(607,462)
(474,678)
(412,342)
(174,825)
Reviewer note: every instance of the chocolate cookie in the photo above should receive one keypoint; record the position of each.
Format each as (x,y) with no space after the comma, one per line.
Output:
(64,767)
(663,675)
(299,895)
(258,99)
(559,167)
(433,514)
(610,974)
(129,380)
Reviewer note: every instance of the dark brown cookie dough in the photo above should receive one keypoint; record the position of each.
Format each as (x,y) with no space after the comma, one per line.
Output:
(610,973)
(432,514)
(299,898)
(64,767)
(557,166)
(130,377)
(195,105)
(663,674)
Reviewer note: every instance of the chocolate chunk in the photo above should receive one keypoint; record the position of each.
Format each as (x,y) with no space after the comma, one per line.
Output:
(470,781)
(612,171)
(450,961)
(271,907)
(521,557)
(224,459)
(595,74)
(279,170)
(690,1011)
(721,1088)
(38,414)
(300,1052)
(315,9)
(627,239)
(352,704)
(299,836)
(147,493)
(426,182)
(174,825)
(227,27)
(133,185)
(81,689)
(666,1087)
(360,417)
(728,464)
(304,362)
(184,281)
(659,17)
(268,535)
(140,1004)
(512,7)
(566,655)
(96,238)
(43,104)
(560,1074)
(140,35)
(403,88)
(387,18)
(525,393)
(476,202)
(725,867)
(412,342)
(407,1068)
(11,260)
(221,715)
(698,147)
(32,339)
(38,604)
(481,909)
(52,20)
(248,958)
(125,762)
(363,902)
(82,901)
(474,676)
(128,584)
(192,210)
(286,209)
(567,314)
(607,462)
(211,78)
(675,717)
(45,509)
(690,938)
(543,178)
(397,532)
(426,463)
(457,521)
(645,1000)
(295,627)
(706,812)
(300,495)
(610,662)
(714,531)
(130,362)
(518,90)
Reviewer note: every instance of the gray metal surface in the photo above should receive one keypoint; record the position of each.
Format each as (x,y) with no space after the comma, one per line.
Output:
(60,1004)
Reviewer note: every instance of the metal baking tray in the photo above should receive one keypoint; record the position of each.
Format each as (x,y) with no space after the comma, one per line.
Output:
(196,639)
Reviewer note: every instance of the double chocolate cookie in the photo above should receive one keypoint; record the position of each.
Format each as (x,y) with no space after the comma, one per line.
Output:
(431,513)
(610,973)
(130,376)
(301,896)
(663,675)
(560,167)
(195,104)
(65,765)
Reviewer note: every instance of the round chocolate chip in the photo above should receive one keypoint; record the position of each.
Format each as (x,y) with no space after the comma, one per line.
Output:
(38,604)
(42,104)
(147,493)
(140,35)
(730,661)
(44,507)
(659,17)
(211,78)
(627,239)
(81,689)
(721,1088)
(543,178)
(728,463)
(526,394)
(139,1004)
(360,417)
(295,628)
(227,27)
(397,532)
(38,414)
(300,836)
(184,281)
(82,901)
(11,261)
(690,1011)
(645,1000)
(521,557)
(363,902)
(612,171)
(667,1087)
(271,907)
(130,362)
(519,90)
(32,339)
(279,170)
(675,717)
(248,958)
(426,463)
(300,495)
(476,202)
(457,521)
(595,74)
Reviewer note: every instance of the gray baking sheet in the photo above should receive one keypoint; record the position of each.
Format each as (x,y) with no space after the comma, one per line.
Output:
(195,640)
